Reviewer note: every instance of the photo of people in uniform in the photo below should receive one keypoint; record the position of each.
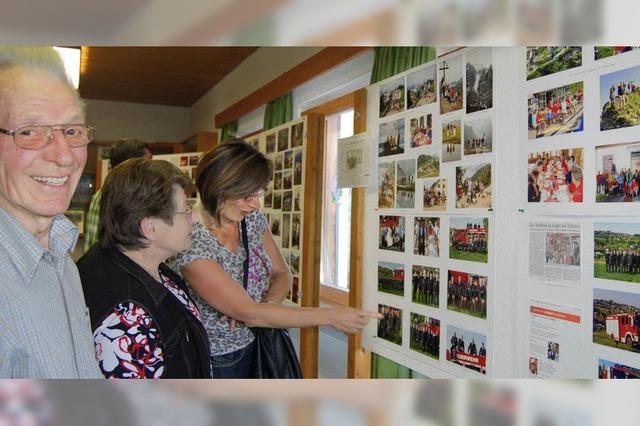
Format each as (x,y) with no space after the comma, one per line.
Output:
(420,129)
(297,131)
(425,285)
(421,87)
(556,111)
(620,99)
(406,184)
(478,136)
(618,173)
(555,176)
(387,185)
(450,84)
(428,166)
(451,141)
(467,294)
(392,97)
(616,319)
(426,236)
(469,239)
(473,186)
(434,195)
(614,370)
(424,335)
(562,248)
(545,60)
(391,278)
(392,232)
(467,348)
(391,138)
(479,69)
(283,140)
(390,325)
(616,251)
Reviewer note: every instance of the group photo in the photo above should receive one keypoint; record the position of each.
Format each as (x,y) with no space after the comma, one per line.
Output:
(467,294)
(478,136)
(390,325)
(421,87)
(467,349)
(424,336)
(473,186)
(469,239)
(450,87)
(555,176)
(426,236)
(618,173)
(425,285)
(556,111)
(392,233)
(391,278)
(421,130)
(434,195)
(451,141)
(620,99)
(616,251)
(391,138)
(392,97)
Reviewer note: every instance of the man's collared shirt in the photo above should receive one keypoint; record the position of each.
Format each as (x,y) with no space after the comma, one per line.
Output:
(44,323)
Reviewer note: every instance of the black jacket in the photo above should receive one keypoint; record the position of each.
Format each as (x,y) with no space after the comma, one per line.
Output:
(109,278)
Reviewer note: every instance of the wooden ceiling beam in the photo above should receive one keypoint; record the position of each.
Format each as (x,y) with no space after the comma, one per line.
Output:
(312,67)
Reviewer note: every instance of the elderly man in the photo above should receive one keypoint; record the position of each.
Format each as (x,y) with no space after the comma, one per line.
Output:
(44,323)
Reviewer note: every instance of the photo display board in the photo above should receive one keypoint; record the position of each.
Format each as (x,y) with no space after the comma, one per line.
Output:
(283,201)
(429,221)
(580,270)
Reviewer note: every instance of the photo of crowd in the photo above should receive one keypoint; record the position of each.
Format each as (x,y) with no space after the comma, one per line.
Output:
(426,236)
(406,184)
(424,335)
(392,97)
(390,325)
(421,87)
(478,136)
(391,278)
(473,186)
(387,185)
(616,319)
(392,232)
(479,79)
(556,111)
(614,370)
(618,173)
(434,195)
(450,88)
(451,141)
(428,166)
(620,99)
(467,294)
(467,349)
(469,238)
(425,289)
(420,129)
(562,248)
(391,138)
(616,251)
(555,176)
(545,60)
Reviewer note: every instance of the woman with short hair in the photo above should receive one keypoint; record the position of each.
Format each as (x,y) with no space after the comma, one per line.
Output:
(145,324)
(230,181)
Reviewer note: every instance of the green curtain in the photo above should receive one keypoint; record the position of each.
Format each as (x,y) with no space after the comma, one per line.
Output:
(388,61)
(384,368)
(278,111)
(229,131)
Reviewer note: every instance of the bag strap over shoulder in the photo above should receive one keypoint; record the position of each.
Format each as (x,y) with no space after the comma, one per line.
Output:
(245,243)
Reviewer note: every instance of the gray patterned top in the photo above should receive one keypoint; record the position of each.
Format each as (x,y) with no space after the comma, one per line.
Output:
(205,246)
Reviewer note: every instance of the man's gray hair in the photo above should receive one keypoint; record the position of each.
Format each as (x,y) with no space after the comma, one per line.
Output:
(41,58)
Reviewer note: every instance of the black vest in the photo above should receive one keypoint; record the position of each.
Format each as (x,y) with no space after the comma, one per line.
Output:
(109,278)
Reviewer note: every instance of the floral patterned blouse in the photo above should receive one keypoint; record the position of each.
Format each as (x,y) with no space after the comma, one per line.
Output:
(127,342)
(205,246)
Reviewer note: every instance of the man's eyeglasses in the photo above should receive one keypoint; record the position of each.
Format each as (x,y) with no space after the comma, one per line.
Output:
(188,212)
(253,196)
(38,136)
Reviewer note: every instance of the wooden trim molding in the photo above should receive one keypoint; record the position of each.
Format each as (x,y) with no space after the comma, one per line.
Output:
(312,67)
(333,296)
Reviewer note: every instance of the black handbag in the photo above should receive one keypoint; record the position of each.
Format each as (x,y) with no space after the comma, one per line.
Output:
(274,354)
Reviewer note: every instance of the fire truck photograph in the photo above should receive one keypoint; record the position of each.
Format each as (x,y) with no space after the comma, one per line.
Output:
(390,325)
(469,239)
(425,335)
(391,233)
(616,319)
(426,236)
(467,294)
(614,370)
(391,278)
(467,349)
(425,285)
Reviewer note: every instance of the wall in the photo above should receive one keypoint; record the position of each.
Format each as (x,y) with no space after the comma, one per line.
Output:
(150,123)
(260,68)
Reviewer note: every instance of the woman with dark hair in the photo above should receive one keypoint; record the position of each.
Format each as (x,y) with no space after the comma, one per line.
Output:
(145,324)
(230,181)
